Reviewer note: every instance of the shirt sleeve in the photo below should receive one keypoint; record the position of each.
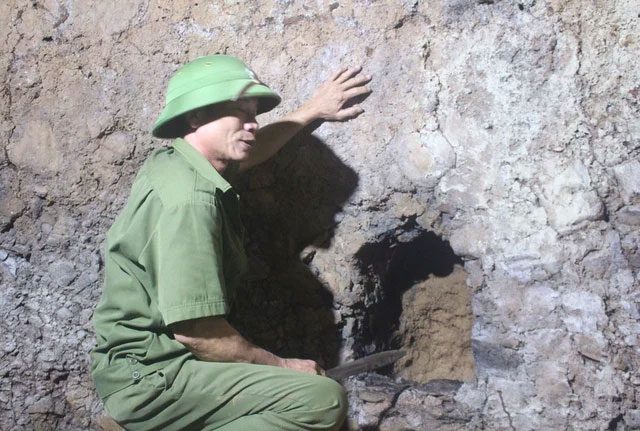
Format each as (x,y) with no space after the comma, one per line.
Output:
(190,276)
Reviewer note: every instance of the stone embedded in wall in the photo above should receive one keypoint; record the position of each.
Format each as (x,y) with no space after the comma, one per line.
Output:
(116,147)
(585,312)
(35,147)
(405,206)
(631,245)
(552,383)
(490,357)
(424,157)
(63,272)
(535,258)
(628,177)
(443,154)
(568,197)
(623,281)
(538,305)
(476,274)
(62,230)
(98,122)
(10,209)
(592,346)
(629,215)
(470,240)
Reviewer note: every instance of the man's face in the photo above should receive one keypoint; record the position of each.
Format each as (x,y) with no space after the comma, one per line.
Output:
(229,131)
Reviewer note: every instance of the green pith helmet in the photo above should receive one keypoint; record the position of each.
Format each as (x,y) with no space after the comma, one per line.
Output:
(205,81)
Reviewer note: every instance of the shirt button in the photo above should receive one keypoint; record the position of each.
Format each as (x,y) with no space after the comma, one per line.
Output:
(135,375)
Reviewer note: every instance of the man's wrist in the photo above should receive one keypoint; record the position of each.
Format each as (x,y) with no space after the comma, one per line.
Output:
(264,357)
(304,115)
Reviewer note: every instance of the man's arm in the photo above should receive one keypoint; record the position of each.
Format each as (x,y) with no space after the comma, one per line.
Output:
(214,339)
(326,104)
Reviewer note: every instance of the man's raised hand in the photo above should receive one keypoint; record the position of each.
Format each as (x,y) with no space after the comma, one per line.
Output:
(328,101)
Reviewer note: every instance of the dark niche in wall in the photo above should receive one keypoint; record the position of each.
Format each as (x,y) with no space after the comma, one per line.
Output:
(419,302)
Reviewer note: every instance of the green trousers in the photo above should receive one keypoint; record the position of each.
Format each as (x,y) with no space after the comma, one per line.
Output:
(229,396)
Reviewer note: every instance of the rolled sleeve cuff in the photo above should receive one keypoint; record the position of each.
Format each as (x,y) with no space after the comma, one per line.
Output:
(195,311)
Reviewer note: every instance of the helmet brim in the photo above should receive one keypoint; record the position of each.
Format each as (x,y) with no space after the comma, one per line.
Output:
(171,122)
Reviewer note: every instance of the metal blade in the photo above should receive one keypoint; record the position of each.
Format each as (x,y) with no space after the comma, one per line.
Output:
(368,363)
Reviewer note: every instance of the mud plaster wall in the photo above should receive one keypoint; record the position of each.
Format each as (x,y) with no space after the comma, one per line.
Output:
(508,129)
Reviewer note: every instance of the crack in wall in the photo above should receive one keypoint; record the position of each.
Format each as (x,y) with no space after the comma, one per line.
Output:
(504,409)
(407,17)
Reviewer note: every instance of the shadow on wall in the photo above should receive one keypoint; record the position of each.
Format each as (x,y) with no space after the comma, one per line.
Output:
(288,204)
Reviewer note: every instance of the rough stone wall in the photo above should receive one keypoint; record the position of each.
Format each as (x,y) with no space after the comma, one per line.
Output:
(505,132)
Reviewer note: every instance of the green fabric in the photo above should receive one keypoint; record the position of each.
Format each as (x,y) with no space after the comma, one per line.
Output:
(207,81)
(165,262)
(229,397)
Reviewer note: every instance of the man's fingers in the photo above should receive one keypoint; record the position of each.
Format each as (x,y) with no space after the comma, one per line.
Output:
(338,73)
(348,73)
(355,82)
(356,92)
(345,84)
(349,113)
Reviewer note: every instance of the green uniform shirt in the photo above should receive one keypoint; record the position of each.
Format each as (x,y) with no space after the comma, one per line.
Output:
(174,253)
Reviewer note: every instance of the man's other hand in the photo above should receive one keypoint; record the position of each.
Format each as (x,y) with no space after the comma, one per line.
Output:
(304,365)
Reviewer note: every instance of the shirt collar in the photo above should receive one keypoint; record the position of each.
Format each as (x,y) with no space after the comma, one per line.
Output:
(200,163)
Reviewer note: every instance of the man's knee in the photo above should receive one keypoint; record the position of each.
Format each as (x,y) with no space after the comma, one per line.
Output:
(327,401)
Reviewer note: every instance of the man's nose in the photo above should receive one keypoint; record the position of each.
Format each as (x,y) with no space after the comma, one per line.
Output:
(251,126)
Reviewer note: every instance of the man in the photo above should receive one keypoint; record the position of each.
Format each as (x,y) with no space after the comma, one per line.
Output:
(166,357)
